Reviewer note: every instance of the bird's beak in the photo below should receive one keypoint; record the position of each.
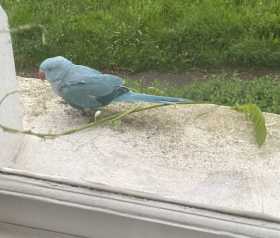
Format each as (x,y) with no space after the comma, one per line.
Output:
(41,75)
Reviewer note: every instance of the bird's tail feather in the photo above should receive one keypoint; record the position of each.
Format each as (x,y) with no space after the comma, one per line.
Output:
(141,97)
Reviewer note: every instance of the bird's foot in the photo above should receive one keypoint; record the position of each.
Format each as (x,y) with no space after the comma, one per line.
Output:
(92,114)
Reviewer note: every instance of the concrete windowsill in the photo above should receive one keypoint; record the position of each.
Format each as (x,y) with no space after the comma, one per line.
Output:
(120,183)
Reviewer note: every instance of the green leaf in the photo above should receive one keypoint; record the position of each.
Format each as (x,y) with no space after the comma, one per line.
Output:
(255,114)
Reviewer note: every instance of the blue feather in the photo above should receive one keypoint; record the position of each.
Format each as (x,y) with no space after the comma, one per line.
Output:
(141,97)
(83,87)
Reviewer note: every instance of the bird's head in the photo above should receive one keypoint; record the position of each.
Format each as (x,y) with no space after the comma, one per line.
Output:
(53,69)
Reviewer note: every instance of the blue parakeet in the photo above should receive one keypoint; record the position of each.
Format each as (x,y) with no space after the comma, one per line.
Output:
(86,88)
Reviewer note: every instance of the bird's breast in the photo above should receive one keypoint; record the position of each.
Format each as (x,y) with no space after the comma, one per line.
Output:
(56,86)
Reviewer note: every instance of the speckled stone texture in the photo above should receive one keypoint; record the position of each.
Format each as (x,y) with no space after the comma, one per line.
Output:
(204,154)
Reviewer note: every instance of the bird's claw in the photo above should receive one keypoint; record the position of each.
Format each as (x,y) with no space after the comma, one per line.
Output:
(92,115)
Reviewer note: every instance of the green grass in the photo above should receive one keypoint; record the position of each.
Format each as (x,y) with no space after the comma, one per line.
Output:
(165,35)
(142,35)
(223,89)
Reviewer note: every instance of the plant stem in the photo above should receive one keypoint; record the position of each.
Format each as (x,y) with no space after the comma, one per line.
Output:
(110,118)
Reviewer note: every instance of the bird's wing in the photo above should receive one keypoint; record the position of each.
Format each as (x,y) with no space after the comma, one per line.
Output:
(99,84)
(81,96)
(85,70)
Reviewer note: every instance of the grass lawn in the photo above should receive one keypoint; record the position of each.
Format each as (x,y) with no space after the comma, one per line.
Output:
(223,89)
(140,35)
(161,35)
